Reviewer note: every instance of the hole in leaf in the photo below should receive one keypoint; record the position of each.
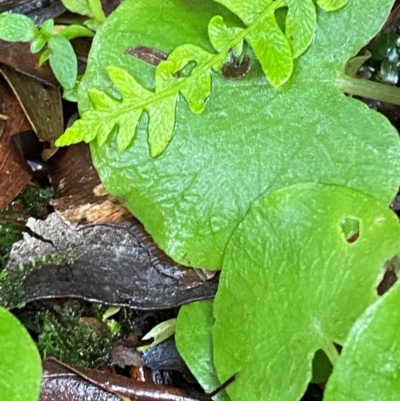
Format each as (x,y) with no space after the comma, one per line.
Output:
(350,228)
(392,267)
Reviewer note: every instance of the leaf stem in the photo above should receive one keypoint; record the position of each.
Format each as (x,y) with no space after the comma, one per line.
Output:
(172,90)
(369,89)
(331,352)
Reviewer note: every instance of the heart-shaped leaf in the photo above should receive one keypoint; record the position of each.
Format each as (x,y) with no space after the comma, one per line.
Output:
(292,282)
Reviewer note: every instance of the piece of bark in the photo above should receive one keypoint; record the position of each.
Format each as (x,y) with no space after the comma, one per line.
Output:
(102,263)
(42,106)
(79,196)
(112,383)
(14,173)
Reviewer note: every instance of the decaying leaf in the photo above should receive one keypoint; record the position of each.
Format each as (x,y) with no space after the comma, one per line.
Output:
(42,106)
(110,264)
(14,174)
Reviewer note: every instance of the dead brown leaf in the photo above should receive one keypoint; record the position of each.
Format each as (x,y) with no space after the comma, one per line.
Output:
(14,173)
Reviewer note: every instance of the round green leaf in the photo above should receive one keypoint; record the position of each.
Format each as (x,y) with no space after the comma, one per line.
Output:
(63,61)
(369,366)
(20,365)
(17,28)
(251,139)
(292,283)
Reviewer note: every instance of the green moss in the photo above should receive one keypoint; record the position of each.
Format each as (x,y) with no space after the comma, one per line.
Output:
(68,337)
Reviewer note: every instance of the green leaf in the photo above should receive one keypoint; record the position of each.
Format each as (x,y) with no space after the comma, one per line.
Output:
(78,6)
(76,31)
(159,333)
(221,35)
(38,43)
(63,61)
(44,57)
(17,28)
(20,364)
(47,28)
(293,284)
(97,10)
(369,366)
(250,140)
(193,339)
(274,49)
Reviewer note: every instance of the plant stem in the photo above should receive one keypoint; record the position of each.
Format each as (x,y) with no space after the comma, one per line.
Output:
(331,352)
(369,89)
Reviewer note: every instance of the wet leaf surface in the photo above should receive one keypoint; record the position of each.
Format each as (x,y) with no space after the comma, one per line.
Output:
(105,263)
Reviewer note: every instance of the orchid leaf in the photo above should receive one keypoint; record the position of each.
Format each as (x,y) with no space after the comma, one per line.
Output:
(296,284)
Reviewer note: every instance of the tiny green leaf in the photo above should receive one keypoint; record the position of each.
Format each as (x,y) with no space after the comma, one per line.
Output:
(97,10)
(17,28)
(76,31)
(193,339)
(369,366)
(296,285)
(47,28)
(63,61)
(20,364)
(44,57)
(221,35)
(38,43)
(159,334)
